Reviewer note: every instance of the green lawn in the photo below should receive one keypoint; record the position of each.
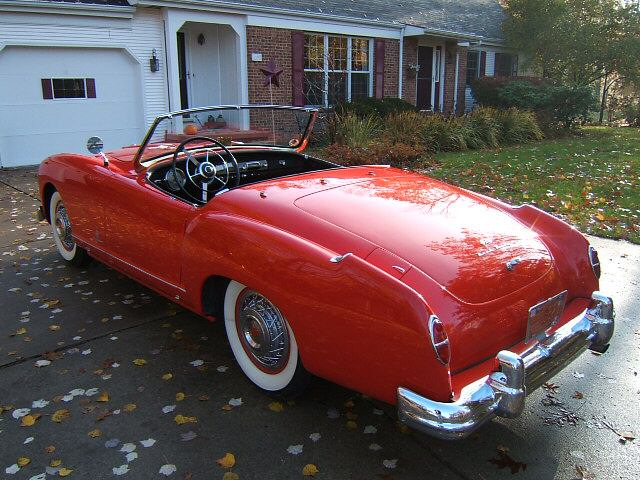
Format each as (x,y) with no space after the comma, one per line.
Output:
(590,180)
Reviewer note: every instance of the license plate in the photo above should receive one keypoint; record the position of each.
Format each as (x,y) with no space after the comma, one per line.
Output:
(545,315)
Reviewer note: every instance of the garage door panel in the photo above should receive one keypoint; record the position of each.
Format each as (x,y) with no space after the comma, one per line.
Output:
(31,127)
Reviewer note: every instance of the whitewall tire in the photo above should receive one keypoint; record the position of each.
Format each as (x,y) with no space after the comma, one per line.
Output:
(62,233)
(262,342)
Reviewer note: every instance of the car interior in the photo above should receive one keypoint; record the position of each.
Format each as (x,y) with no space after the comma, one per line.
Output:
(184,182)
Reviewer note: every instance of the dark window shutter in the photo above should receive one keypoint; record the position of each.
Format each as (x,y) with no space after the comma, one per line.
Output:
(483,64)
(91,87)
(47,89)
(379,67)
(514,66)
(297,68)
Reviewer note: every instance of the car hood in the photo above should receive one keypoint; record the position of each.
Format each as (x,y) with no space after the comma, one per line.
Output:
(474,250)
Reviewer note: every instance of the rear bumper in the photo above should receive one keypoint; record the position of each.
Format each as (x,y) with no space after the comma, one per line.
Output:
(503,393)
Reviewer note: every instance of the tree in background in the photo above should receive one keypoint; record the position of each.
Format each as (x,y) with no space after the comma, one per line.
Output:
(579,42)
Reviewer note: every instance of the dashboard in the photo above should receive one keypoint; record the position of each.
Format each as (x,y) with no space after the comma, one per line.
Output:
(254,166)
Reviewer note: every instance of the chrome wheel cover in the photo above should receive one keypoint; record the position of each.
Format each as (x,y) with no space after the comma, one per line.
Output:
(62,227)
(262,331)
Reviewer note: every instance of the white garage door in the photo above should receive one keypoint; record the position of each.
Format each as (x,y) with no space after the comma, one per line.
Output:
(53,99)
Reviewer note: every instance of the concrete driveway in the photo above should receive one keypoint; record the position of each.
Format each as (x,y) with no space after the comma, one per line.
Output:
(131,385)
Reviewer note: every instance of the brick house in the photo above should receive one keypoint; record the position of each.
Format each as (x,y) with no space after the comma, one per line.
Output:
(74,68)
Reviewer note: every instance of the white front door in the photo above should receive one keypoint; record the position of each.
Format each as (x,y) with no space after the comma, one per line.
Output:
(53,99)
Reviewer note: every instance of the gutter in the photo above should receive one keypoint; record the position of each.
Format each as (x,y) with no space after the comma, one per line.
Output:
(41,6)
(401,64)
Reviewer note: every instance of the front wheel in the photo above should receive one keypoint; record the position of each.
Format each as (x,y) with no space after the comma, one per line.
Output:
(62,234)
(263,343)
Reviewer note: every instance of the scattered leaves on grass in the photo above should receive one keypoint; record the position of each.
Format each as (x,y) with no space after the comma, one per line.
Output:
(309,470)
(228,461)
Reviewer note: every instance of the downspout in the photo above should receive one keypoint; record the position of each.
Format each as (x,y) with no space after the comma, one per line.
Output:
(455,84)
(400,68)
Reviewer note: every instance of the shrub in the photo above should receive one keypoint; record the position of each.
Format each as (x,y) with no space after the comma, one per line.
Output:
(631,111)
(379,153)
(518,126)
(552,102)
(380,107)
(355,131)
(345,155)
(440,133)
(482,129)
(404,127)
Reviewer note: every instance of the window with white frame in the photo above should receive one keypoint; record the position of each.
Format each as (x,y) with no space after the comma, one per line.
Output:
(336,68)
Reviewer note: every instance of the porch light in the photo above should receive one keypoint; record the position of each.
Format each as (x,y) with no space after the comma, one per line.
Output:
(154,64)
(201,39)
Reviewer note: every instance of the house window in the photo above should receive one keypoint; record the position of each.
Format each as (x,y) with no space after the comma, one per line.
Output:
(336,68)
(56,88)
(473,66)
(506,65)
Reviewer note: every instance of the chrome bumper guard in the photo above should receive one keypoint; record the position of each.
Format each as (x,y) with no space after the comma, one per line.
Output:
(502,393)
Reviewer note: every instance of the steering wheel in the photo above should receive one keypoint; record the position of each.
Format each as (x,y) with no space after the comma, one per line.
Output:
(213,171)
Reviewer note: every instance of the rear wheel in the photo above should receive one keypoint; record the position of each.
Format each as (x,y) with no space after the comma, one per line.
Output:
(62,234)
(263,343)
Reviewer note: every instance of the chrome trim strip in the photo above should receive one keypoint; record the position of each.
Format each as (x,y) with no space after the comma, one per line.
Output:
(89,247)
(502,393)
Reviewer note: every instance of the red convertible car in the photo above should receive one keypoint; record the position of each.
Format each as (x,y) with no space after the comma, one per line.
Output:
(449,304)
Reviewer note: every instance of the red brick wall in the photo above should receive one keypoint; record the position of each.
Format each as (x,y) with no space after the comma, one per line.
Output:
(449,77)
(391,64)
(410,56)
(273,44)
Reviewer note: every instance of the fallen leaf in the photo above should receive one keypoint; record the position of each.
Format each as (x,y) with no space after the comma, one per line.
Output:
(95,433)
(235,402)
(121,470)
(188,436)
(578,395)
(230,476)
(23,461)
(56,462)
(181,419)
(276,406)
(64,472)
(59,415)
(351,425)
(390,463)
(103,397)
(228,461)
(29,420)
(294,449)
(140,361)
(129,407)
(505,461)
(167,376)
(309,470)
(49,449)
(315,436)
(149,442)
(180,396)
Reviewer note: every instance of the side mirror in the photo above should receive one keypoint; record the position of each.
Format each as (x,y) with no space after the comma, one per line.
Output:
(95,145)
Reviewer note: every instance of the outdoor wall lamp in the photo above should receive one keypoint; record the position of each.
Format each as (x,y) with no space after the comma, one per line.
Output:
(201,39)
(154,64)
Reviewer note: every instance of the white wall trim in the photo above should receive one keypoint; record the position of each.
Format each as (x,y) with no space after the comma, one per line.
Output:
(83,9)
(308,25)
(71,44)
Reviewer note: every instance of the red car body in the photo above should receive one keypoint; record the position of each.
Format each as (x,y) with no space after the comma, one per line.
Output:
(419,247)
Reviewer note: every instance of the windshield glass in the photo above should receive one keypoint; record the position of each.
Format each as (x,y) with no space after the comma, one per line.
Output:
(231,125)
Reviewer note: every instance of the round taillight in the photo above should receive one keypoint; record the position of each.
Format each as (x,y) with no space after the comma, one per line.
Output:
(439,340)
(595,261)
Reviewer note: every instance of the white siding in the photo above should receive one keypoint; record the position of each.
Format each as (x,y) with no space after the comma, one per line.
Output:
(490,69)
(140,35)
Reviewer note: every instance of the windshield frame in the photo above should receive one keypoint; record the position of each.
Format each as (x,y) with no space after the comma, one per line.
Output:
(313,114)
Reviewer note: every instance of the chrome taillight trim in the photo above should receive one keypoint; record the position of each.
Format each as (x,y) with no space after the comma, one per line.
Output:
(432,320)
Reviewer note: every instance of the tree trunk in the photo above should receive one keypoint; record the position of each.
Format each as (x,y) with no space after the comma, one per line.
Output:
(603,102)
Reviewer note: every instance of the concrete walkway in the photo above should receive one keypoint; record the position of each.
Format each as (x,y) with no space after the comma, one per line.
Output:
(117,361)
